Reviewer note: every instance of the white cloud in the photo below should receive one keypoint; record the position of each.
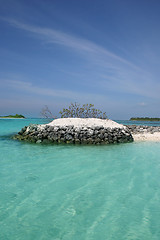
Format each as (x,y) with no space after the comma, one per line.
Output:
(122,75)
(29,87)
(66,95)
(79,44)
(142,104)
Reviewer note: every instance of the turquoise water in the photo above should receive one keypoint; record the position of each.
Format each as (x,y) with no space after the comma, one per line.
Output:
(72,192)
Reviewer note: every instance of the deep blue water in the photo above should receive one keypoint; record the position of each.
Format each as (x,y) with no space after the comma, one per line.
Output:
(72,192)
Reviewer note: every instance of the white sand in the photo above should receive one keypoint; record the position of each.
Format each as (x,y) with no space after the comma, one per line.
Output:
(107,123)
(155,137)
(85,122)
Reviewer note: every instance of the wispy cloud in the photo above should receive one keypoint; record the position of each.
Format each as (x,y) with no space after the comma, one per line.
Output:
(66,95)
(142,104)
(122,75)
(130,85)
(78,44)
(31,88)
(28,97)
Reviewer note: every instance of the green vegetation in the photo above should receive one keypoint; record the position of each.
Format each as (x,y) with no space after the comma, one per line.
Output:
(13,116)
(76,110)
(144,119)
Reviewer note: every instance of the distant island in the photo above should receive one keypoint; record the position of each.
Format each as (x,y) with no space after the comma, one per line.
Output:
(13,116)
(144,119)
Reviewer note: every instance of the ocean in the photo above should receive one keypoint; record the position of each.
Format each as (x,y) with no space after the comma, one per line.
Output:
(73,192)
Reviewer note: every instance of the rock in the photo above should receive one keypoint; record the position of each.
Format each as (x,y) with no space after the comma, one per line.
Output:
(78,133)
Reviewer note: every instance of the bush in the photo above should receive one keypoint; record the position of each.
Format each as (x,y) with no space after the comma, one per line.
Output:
(46,113)
(75,110)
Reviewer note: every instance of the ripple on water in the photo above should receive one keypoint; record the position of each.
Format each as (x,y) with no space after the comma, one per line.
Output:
(79,192)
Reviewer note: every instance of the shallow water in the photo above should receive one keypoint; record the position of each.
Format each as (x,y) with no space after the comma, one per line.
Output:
(72,192)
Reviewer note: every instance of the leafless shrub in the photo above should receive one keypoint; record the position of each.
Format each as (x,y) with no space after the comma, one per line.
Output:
(75,110)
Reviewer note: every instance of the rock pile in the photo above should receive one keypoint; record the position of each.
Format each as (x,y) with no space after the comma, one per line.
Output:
(74,134)
(139,129)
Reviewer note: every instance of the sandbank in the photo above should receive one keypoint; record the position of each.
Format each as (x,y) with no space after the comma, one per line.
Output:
(85,122)
(153,137)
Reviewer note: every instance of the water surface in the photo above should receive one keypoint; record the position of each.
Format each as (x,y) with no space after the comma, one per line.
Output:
(72,192)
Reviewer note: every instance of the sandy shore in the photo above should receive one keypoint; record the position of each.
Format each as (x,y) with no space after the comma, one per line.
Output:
(86,122)
(77,131)
(107,123)
(155,137)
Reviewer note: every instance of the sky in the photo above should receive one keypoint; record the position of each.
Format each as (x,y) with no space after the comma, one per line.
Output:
(104,52)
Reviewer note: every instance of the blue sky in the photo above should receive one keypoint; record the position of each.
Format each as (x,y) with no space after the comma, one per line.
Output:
(105,52)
